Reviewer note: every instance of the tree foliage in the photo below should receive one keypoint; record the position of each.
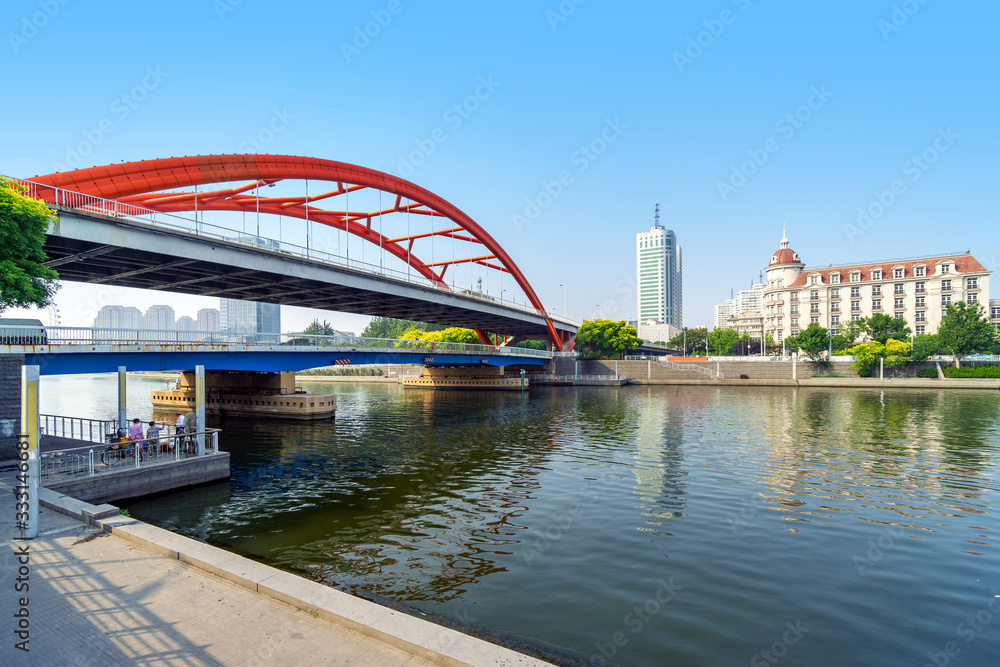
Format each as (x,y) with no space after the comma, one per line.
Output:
(880,327)
(814,341)
(964,330)
(605,339)
(924,346)
(895,354)
(24,279)
(315,328)
(449,335)
(721,340)
(692,342)
(389,327)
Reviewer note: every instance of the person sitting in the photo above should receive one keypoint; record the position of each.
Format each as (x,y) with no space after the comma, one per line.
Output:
(153,435)
(135,430)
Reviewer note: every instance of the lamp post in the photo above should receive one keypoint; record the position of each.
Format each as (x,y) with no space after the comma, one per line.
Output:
(600,311)
(564,298)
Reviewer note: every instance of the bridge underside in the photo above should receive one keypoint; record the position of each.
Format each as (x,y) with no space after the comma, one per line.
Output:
(128,254)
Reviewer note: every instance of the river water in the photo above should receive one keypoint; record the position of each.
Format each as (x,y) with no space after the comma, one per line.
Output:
(684,525)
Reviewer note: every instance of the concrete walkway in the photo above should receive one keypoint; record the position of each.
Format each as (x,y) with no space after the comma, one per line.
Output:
(99,599)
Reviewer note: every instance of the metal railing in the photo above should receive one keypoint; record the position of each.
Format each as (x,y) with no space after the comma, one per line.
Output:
(199,228)
(77,428)
(708,372)
(570,378)
(63,463)
(192,340)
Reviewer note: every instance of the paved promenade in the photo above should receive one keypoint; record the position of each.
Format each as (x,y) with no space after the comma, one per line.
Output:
(96,598)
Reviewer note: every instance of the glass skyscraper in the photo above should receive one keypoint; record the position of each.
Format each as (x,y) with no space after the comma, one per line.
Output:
(658,258)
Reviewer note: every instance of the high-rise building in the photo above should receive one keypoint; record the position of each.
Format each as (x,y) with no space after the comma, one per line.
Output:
(208,320)
(249,317)
(658,260)
(722,313)
(118,317)
(185,325)
(160,318)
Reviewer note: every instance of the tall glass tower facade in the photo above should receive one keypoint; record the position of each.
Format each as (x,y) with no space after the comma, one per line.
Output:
(249,317)
(658,258)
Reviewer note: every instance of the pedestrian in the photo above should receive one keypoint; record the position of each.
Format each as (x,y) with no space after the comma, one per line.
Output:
(153,434)
(135,430)
(179,429)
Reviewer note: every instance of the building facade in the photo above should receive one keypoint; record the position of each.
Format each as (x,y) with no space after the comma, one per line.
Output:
(249,317)
(750,322)
(917,289)
(208,320)
(659,270)
(118,317)
(160,318)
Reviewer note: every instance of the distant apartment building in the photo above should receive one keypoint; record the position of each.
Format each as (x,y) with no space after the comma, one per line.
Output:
(995,311)
(208,320)
(118,317)
(185,327)
(160,318)
(723,312)
(660,271)
(744,302)
(917,289)
(750,323)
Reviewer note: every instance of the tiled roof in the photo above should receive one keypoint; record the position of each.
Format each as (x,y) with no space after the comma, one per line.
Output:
(964,263)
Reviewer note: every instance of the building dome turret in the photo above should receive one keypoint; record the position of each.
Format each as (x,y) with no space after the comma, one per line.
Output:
(785,255)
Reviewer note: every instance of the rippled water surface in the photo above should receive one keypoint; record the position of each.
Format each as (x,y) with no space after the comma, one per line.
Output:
(641,525)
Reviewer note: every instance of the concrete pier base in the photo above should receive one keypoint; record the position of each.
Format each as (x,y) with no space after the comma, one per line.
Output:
(247,394)
(490,377)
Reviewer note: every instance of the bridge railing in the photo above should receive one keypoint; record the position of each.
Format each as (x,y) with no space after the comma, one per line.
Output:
(200,228)
(25,335)
(77,428)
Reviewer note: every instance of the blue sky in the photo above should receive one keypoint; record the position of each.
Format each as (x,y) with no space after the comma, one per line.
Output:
(737,116)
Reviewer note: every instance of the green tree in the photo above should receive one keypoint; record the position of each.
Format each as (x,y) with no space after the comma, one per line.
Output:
(894,353)
(317,329)
(924,346)
(964,329)
(532,345)
(814,341)
(390,327)
(881,327)
(721,340)
(848,333)
(24,279)
(605,339)
(691,341)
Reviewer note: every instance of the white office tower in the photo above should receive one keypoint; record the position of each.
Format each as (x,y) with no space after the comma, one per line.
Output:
(658,258)
(249,317)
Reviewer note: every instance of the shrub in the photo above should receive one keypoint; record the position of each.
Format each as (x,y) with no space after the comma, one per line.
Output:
(928,373)
(992,371)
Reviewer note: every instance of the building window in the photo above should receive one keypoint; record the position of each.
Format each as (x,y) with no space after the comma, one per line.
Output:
(897,288)
(814,294)
(945,268)
(814,308)
(920,271)
(945,285)
(876,304)
(835,293)
(856,291)
(898,303)
(920,301)
(919,287)
(972,283)
(835,320)
(945,299)
(920,329)
(972,297)
(855,276)
(855,305)
(897,273)
(855,317)
(795,308)
(834,307)
(876,274)
(876,291)
(813,280)
(919,316)
(835,278)
(814,319)
(995,313)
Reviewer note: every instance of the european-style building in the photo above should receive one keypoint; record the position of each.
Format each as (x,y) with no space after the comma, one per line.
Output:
(918,289)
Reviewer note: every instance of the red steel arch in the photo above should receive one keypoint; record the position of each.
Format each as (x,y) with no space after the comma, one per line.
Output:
(144,184)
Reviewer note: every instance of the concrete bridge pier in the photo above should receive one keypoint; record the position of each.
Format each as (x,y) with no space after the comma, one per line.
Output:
(244,394)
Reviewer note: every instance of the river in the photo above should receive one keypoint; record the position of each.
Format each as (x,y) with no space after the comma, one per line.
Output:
(643,525)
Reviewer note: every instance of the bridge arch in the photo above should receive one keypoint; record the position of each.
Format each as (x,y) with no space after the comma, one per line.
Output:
(150,184)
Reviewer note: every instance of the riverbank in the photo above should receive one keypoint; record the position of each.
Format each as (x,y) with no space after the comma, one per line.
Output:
(847,382)
(169,598)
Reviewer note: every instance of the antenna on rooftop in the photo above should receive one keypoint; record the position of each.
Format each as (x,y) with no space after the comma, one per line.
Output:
(656,215)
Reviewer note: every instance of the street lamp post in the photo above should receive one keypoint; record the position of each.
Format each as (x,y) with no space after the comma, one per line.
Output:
(564,298)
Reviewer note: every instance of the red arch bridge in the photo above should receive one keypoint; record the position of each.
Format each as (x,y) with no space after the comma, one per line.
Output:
(295,231)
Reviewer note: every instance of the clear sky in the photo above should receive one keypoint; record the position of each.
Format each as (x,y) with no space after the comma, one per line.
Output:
(738,116)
